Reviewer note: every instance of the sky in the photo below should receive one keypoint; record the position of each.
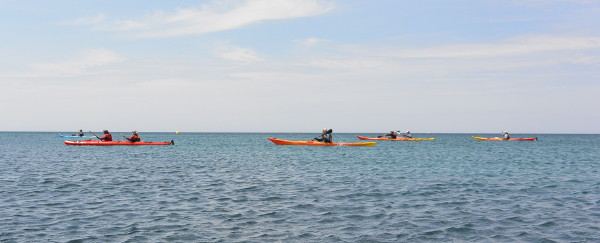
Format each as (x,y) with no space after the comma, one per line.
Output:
(464,66)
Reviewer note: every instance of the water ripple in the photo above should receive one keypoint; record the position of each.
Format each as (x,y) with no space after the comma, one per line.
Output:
(241,188)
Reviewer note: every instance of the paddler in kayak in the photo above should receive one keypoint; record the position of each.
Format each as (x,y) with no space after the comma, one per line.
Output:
(79,134)
(393,134)
(325,136)
(107,136)
(407,134)
(505,135)
(134,137)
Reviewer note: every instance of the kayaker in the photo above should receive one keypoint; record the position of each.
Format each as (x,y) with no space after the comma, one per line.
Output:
(325,136)
(393,134)
(107,136)
(505,135)
(328,138)
(407,134)
(322,136)
(134,137)
(79,134)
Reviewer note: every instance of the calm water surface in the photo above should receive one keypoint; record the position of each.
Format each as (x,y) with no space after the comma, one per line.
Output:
(213,187)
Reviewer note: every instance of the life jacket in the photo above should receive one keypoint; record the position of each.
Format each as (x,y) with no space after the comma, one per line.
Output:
(134,138)
(106,137)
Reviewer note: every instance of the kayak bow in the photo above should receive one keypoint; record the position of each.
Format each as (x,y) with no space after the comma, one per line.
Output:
(112,143)
(316,143)
(502,139)
(395,139)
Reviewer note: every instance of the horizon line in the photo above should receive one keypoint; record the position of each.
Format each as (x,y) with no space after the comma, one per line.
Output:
(180,132)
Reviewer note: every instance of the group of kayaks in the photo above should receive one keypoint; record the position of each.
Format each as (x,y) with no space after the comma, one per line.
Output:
(370,144)
(275,141)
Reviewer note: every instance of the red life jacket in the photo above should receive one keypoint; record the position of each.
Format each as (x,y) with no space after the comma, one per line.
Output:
(106,137)
(134,138)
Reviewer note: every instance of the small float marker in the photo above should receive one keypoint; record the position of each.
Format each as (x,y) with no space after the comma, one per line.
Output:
(176,132)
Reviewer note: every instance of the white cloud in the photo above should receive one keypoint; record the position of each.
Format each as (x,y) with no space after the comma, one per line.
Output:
(584,60)
(520,57)
(513,47)
(92,20)
(237,54)
(83,65)
(218,16)
(362,82)
(310,41)
(129,25)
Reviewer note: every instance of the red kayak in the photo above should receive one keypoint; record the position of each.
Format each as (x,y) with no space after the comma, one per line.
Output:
(315,143)
(511,139)
(112,143)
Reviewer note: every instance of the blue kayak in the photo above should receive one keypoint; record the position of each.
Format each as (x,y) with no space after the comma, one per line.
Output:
(68,136)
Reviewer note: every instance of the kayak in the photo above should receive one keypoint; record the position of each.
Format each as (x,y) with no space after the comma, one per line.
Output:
(395,139)
(112,143)
(316,143)
(512,139)
(69,136)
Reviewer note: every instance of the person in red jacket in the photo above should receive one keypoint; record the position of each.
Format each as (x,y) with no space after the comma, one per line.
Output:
(106,137)
(134,137)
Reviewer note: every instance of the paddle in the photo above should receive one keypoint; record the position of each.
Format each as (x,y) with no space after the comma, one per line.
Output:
(94,134)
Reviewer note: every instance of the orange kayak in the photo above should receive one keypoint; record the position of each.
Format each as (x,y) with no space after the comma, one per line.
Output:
(502,139)
(316,143)
(395,139)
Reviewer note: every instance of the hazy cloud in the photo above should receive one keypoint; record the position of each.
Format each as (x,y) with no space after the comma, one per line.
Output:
(82,65)
(310,41)
(237,54)
(92,20)
(217,16)
(513,47)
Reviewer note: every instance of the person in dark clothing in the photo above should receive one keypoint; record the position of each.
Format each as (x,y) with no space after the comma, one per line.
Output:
(505,135)
(393,134)
(328,138)
(79,134)
(325,136)
(107,136)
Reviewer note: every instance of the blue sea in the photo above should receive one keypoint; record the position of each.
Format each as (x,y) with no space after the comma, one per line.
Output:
(229,187)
